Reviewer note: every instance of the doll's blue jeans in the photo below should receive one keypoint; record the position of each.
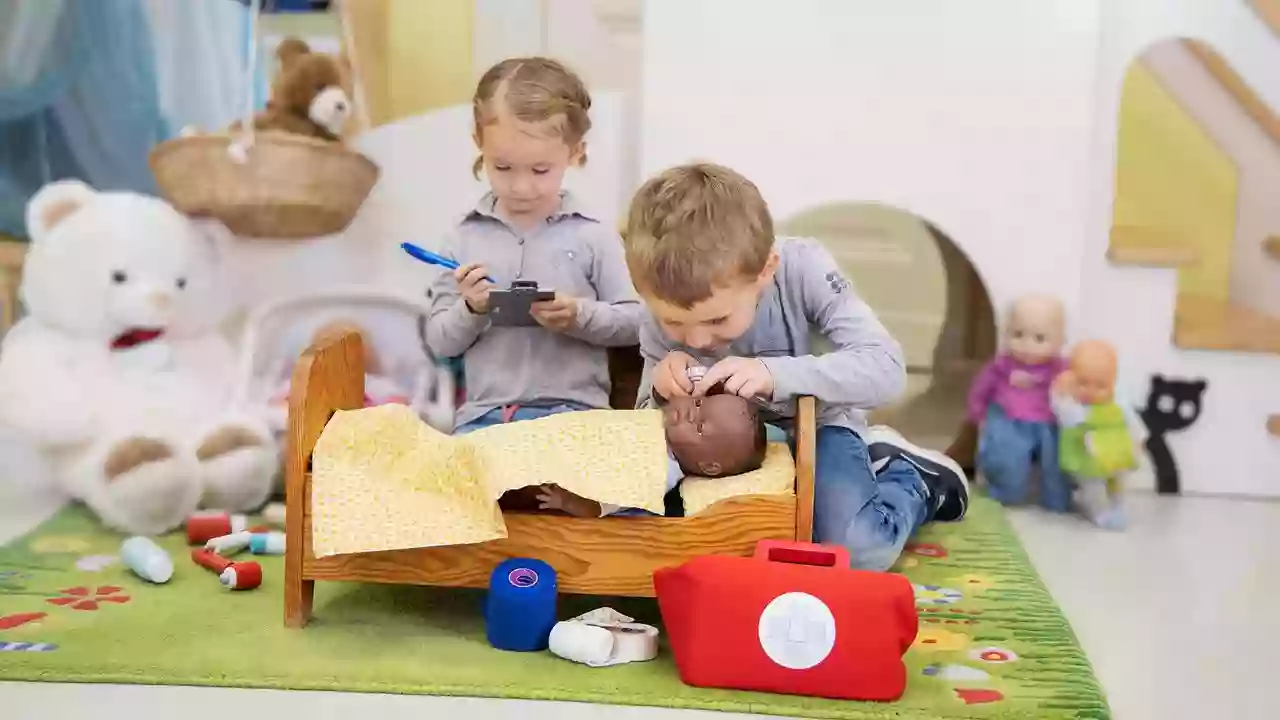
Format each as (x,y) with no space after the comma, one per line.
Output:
(1008,451)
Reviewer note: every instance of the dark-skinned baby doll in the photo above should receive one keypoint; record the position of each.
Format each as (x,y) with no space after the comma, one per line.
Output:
(712,436)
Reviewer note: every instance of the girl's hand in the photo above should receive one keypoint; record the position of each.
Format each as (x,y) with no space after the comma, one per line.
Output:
(560,314)
(745,377)
(473,287)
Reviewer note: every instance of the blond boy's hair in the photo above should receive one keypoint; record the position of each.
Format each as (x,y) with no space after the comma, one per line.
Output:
(695,228)
(532,90)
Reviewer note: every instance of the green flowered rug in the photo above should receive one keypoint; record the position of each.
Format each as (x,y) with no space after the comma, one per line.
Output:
(992,643)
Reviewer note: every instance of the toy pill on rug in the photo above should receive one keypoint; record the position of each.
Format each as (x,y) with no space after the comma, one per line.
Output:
(233,575)
(267,543)
(205,526)
(146,559)
(794,619)
(520,609)
(604,637)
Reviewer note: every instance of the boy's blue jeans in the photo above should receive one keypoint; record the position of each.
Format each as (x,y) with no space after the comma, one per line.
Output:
(870,514)
(1007,450)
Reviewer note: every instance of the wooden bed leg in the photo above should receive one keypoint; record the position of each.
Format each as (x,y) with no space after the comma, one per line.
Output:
(329,377)
(806,457)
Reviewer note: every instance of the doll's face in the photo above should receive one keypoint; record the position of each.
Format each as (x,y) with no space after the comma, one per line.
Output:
(1035,330)
(715,435)
(1093,370)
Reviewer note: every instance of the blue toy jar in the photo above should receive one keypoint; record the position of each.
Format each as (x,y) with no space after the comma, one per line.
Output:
(520,609)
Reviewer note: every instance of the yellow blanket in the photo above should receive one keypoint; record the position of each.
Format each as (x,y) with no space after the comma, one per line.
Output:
(384,480)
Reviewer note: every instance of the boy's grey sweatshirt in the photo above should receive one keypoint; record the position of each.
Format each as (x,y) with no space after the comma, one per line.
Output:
(809,303)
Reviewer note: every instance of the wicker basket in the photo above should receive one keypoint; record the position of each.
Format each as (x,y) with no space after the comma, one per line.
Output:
(291,187)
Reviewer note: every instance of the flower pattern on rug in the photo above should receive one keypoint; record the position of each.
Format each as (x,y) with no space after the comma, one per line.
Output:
(971,696)
(931,550)
(83,598)
(8,622)
(974,583)
(936,639)
(934,595)
(995,655)
(95,563)
(13,579)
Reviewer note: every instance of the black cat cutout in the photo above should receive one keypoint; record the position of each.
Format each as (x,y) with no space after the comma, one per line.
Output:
(1172,405)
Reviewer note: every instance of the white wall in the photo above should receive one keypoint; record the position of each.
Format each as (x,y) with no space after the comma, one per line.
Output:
(1255,278)
(930,106)
(1228,451)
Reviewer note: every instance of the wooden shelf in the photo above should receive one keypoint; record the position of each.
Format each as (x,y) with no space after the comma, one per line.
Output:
(1271,246)
(1206,324)
(1273,425)
(1150,247)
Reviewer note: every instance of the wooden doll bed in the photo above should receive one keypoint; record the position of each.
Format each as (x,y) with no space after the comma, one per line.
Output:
(606,556)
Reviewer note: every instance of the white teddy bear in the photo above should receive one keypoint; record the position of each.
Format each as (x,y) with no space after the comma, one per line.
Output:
(119,374)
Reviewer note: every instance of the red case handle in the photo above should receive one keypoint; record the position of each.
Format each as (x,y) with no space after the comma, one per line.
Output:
(802,553)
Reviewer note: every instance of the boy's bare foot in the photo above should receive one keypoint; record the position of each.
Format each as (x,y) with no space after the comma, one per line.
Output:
(554,497)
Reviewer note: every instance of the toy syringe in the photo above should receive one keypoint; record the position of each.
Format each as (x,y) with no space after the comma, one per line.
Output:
(426,256)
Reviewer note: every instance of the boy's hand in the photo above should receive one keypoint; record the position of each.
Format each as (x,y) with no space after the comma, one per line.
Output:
(745,377)
(560,314)
(473,287)
(671,375)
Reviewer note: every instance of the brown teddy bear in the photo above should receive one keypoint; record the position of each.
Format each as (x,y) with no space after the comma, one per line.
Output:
(306,96)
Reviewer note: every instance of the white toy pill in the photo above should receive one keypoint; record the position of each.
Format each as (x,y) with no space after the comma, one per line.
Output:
(146,559)
(267,543)
(229,544)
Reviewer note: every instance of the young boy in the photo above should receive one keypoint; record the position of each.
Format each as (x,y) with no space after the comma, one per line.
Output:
(724,293)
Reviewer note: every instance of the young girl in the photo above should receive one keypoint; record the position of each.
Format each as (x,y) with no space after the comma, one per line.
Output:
(531,118)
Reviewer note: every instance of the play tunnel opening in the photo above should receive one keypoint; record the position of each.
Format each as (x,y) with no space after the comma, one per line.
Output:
(928,294)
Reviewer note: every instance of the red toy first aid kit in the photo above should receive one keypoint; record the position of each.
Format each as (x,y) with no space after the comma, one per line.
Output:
(793,619)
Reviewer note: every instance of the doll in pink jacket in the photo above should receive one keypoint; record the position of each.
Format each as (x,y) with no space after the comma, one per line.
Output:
(1010,401)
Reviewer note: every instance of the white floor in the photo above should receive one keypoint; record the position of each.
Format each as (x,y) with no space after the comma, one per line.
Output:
(1179,616)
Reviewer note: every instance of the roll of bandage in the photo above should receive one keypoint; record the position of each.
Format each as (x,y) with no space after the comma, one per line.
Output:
(520,609)
(604,637)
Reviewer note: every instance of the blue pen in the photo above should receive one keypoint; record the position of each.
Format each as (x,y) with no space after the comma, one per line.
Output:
(426,256)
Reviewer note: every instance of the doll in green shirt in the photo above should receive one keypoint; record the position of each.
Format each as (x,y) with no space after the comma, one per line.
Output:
(1096,443)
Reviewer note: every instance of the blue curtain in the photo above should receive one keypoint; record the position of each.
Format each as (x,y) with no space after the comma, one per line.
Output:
(89,87)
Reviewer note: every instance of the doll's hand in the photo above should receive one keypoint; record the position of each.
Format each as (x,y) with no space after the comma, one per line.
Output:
(559,314)
(745,377)
(554,497)
(1022,379)
(1064,385)
(474,287)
